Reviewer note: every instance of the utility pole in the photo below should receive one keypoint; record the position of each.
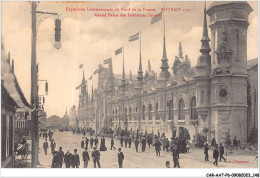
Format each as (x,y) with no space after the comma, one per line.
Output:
(34,80)
(34,88)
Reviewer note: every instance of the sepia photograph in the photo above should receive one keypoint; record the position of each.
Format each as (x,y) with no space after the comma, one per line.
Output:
(129,84)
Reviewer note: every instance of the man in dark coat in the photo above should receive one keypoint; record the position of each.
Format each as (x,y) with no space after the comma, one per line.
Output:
(91,142)
(221,152)
(61,156)
(206,152)
(175,157)
(112,143)
(96,141)
(82,142)
(96,157)
(235,142)
(136,144)
(126,140)
(121,141)
(129,141)
(216,155)
(55,160)
(86,141)
(45,146)
(157,145)
(120,156)
(143,144)
(149,141)
(85,157)
(75,162)
(67,159)
(53,145)
(167,145)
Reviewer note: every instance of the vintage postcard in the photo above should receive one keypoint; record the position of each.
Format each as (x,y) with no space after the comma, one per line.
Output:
(129,84)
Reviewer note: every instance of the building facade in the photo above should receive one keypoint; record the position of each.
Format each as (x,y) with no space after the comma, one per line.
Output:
(211,96)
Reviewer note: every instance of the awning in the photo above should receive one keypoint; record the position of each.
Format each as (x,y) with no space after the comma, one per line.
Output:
(10,84)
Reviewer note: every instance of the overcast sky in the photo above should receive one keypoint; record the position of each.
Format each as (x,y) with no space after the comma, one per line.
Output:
(90,40)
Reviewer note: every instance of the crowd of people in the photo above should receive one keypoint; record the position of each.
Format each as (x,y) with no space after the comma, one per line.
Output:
(159,141)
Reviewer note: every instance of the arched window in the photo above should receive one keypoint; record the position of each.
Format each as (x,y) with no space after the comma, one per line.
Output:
(156,112)
(181,110)
(150,112)
(171,115)
(193,113)
(143,118)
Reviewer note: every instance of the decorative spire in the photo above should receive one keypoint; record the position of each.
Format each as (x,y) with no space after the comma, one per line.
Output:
(8,59)
(164,74)
(180,51)
(205,38)
(13,66)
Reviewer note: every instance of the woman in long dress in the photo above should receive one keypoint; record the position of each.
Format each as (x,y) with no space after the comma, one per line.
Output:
(103,144)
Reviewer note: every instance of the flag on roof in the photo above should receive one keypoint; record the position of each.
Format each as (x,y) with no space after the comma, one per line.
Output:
(134,37)
(156,18)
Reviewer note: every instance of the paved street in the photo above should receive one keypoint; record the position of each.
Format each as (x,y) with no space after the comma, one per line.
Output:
(147,159)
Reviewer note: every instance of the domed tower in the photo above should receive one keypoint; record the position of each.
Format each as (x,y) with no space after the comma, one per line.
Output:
(228,24)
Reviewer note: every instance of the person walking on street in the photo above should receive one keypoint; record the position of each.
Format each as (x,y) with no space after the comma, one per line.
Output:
(96,157)
(112,143)
(157,145)
(136,145)
(175,157)
(167,145)
(67,159)
(87,141)
(85,157)
(221,152)
(206,152)
(120,156)
(126,141)
(75,162)
(96,141)
(82,142)
(91,142)
(216,155)
(55,160)
(129,141)
(53,145)
(121,141)
(45,146)
(143,144)
(61,156)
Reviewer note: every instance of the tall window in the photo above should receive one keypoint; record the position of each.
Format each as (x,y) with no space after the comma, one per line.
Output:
(143,118)
(193,113)
(150,112)
(181,110)
(125,114)
(171,115)
(156,112)
(130,113)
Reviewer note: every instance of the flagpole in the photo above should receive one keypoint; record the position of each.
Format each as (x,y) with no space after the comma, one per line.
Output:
(163,24)
(140,44)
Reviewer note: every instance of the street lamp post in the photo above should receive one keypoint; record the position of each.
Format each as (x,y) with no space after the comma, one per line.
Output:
(34,82)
